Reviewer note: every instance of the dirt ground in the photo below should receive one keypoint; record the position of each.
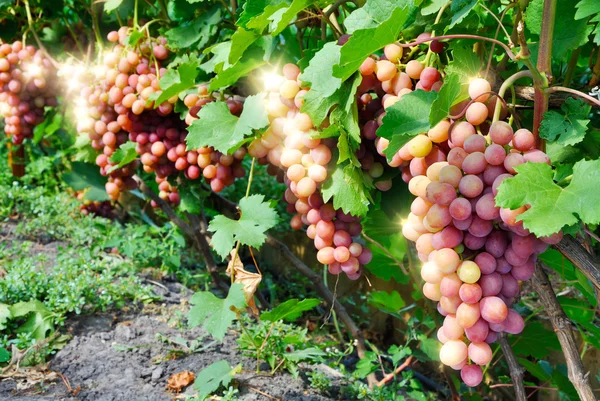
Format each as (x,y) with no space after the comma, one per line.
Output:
(127,356)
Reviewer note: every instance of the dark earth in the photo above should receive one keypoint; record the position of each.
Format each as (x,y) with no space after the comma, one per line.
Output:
(129,356)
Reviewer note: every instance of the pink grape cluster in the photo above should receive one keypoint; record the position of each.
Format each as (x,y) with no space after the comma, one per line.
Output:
(27,84)
(96,208)
(474,253)
(120,108)
(291,145)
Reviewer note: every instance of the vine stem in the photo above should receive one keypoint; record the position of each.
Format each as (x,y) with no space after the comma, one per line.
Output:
(516,370)
(437,19)
(237,246)
(544,66)
(35,35)
(509,52)
(135,14)
(576,253)
(582,95)
(562,327)
(505,85)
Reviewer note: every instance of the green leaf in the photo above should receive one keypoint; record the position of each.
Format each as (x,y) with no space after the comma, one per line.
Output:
(365,42)
(4,316)
(304,354)
(535,369)
(448,95)
(215,314)
(430,347)
(382,265)
(215,375)
(197,32)
(217,127)
(241,40)
(460,9)
(561,265)
(289,310)
(405,119)
(569,127)
(535,341)
(569,32)
(552,207)
(256,13)
(391,301)
(86,176)
(319,73)
(256,218)
(349,189)
(367,365)
(4,354)
(372,14)
(40,322)
(587,8)
(123,156)
(51,124)
(253,58)
(177,81)
(432,6)
(317,106)
(465,63)
(111,5)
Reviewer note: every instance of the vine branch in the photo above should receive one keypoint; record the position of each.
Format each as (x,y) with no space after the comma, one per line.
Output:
(576,253)
(562,327)
(516,370)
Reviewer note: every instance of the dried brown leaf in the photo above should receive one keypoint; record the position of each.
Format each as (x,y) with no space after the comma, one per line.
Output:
(179,381)
(249,280)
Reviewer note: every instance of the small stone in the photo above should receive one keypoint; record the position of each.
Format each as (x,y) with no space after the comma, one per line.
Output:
(157,373)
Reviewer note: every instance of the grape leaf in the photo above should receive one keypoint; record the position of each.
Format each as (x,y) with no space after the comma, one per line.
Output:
(535,340)
(122,156)
(304,354)
(448,95)
(587,8)
(241,40)
(365,42)
(552,207)
(40,321)
(368,364)
(318,106)
(569,127)
(460,9)
(349,189)
(319,73)
(86,176)
(215,375)
(432,6)
(289,310)
(254,57)
(4,315)
(176,81)
(405,119)
(373,13)
(4,354)
(111,5)
(256,218)
(464,62)
(197,32)
(217,127)
(215,314)
(255,14)
(389,301)
(569,33)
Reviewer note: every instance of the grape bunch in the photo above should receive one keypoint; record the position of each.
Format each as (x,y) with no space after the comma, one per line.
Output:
(95,208)
(27,84)
(474,254)
(120,108)
(290,144)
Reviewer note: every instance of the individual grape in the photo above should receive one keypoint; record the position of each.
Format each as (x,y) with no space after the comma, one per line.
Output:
(478,89)
(474,163)
(440,193)
(495,154)
(523,140)
(476,113)
(486,207)
(525,271)
(469,272)
(453,352)
(493,309)
(451,329)
(460,132)
(470,293)
(431,273)
(536,156)
(450,175)
(471,375)
(456,156)
(513,160)
(439,133)
(490,284)
(478,332)
(447,260)
(414,69)
(514,323)
(480,227)
(450,285)
(486,262)
(474,143)
(467,314)
(501,133)
(432,291)
(460,209)
(385,70)
(480,353)
(470,186)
